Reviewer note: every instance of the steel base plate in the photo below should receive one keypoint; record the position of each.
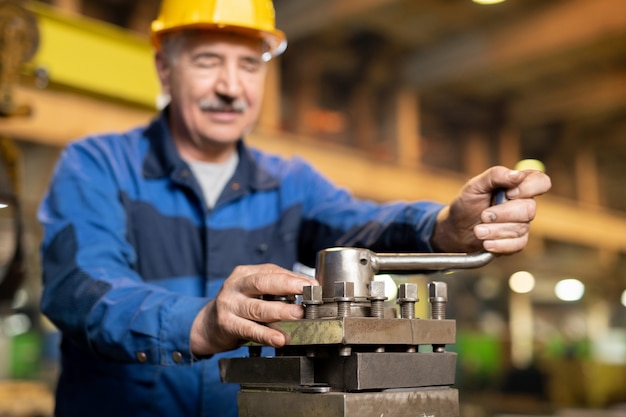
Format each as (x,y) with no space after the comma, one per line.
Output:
(422,402)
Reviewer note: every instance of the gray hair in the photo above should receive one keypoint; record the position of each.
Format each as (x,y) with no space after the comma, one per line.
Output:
(173,42)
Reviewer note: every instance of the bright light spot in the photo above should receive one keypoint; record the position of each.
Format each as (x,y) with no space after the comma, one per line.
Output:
(569,290)
(390,286)
(522,282)
(19,299)
(17,324)
(624,298)
(3,205)
(487,1)
(530,164)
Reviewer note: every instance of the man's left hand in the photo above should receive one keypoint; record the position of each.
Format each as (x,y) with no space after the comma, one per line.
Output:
(470,223)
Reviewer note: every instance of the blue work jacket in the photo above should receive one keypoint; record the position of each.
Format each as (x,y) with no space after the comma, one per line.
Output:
(131,254)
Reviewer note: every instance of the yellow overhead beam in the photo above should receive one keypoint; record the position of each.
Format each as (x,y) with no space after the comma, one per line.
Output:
(95,57)
(59,117)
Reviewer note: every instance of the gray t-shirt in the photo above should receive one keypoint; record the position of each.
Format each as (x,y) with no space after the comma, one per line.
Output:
(214,176)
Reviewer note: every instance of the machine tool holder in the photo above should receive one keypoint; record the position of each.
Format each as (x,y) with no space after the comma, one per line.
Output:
(350,356)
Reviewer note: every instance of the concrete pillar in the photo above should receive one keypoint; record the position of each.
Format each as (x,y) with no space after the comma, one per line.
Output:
(365,123)
(509,147)
(476,155)
(408,126)
(586,176)
(270,117)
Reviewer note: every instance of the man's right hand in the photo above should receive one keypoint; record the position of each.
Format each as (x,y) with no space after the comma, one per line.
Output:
(234,316)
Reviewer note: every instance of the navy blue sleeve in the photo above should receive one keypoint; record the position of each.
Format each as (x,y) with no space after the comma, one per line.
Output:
(91,291)
(333,217)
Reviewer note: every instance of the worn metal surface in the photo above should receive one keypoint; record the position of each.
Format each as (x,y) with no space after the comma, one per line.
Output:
(384,370)
(357,372)
(367,331)
(292,370)
(429,402)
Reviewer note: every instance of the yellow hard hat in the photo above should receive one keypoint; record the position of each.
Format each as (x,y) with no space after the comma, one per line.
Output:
(254,18)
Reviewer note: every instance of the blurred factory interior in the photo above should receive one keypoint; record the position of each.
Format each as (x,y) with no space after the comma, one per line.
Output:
(393,99)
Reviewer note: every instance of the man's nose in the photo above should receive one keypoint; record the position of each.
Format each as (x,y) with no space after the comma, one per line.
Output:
(229,82)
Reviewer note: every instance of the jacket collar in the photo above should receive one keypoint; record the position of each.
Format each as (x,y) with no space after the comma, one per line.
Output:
(163,160)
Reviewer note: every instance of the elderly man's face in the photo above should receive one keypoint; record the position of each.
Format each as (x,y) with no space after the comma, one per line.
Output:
(215,82)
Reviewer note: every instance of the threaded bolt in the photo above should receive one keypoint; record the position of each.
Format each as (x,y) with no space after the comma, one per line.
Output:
(254,351)
(377,299)
(312,299)
(287,299)
(407,297)
(343,296)
(438,297)
(345,351)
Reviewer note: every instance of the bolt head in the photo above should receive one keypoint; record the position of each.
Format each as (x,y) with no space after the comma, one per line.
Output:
(344,289)
(407,292)
(438,291)
(377,289)
(312,293)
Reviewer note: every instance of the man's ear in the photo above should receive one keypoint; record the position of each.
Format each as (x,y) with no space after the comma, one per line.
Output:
(163,68)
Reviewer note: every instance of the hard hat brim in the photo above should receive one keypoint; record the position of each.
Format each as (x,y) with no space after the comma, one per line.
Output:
(275,40)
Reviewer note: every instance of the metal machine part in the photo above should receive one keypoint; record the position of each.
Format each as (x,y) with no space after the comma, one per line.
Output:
(360,265)
(19,40)
(349,356)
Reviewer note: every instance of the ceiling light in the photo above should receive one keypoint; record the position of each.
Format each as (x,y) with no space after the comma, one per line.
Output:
(522,282)
(569,290)
(487,1)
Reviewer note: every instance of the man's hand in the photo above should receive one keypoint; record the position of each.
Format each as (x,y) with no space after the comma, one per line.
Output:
(471,224)
(235,314)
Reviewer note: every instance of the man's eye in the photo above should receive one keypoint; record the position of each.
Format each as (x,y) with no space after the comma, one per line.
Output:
(250,66)
(206,62)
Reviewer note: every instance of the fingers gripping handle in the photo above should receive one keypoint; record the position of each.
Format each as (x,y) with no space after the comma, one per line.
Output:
(387,262)
(498,197)
(360,265)
(499,194)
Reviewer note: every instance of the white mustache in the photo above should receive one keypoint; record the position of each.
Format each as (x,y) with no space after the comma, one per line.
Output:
(219,104)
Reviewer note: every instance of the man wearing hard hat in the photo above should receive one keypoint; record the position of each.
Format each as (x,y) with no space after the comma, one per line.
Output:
(160,241)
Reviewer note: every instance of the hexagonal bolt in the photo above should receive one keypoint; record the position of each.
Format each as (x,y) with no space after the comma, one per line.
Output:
(438,297)
(343,296)
(377,299)
(311,300)
(407,297)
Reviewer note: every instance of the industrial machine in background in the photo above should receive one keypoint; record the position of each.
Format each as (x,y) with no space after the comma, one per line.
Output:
(352,356)
(19,41)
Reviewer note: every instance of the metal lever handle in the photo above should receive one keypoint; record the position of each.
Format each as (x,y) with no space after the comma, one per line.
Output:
(408,262)
(360,265)
(388,262)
